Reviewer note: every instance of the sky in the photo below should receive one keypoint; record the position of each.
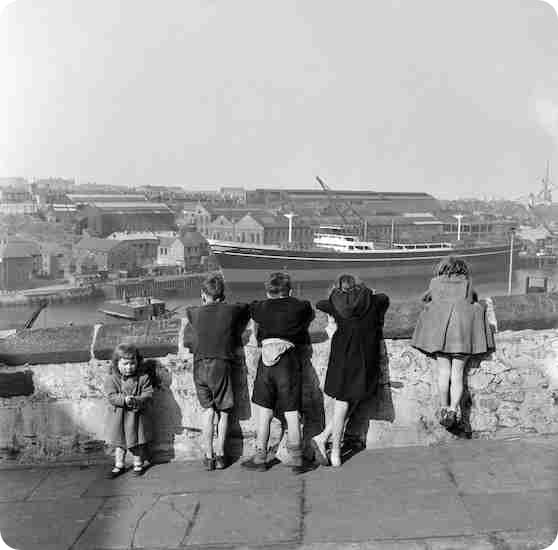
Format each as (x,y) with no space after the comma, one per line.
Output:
(456,99)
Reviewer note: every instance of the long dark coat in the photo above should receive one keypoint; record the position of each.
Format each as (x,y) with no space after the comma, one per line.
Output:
(452,320)
(127,427)
(354,361)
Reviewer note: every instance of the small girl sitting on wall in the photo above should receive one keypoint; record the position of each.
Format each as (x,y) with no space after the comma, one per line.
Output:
(452,327)
(129,392)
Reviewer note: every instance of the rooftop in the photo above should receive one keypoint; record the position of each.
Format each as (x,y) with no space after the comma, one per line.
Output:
(97,244)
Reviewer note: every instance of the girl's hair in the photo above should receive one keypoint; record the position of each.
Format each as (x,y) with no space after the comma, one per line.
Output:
(345,283)
(125,350)
(451,265)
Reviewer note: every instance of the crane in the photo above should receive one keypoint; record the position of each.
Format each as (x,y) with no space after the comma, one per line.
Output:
(349,209)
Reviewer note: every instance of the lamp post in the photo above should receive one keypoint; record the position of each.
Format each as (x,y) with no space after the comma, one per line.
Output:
(290,217)
(459,218)
(512,234)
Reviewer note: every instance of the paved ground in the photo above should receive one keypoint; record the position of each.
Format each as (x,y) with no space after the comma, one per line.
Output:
(481,495)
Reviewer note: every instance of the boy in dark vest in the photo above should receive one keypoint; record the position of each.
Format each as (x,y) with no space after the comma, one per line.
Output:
(281,325)
(217,329)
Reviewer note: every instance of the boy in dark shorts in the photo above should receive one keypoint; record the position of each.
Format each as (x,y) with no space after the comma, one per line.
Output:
(281,324)
(217,329)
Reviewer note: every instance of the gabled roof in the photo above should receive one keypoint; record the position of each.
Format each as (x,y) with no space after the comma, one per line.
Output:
(32,247)
(167,241)
(192,238)
(97,244)
(14,250)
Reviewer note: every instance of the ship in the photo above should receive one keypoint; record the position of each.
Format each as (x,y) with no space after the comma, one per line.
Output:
(335,251)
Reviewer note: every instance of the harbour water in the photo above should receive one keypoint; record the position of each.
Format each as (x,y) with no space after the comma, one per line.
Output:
(398,289)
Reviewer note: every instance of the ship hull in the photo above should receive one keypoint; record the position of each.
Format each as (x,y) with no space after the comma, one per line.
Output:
(249,265)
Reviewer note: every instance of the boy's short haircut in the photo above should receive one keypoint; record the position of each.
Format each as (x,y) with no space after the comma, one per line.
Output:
(214,286)
(278,284)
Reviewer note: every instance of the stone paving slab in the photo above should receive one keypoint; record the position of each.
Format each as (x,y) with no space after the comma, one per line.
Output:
(116,522)
(179,478)
(393,499)
(521,511)
(399,514)
(247,519)
(18,484)
(43,526)
(69,482)
(426,477)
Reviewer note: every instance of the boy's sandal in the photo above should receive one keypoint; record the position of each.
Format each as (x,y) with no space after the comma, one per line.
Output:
(116,471)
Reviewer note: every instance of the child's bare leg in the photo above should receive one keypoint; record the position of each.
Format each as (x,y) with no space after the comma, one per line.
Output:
(444,370)
(456,387)
(262,438)
(294,438)
(222,427)
(119,456)
(340,409)
(207,432)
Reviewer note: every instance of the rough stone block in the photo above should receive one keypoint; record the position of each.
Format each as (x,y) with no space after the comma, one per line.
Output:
(153,338)
(49,345)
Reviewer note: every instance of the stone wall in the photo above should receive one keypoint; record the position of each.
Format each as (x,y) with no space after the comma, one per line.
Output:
(56,411)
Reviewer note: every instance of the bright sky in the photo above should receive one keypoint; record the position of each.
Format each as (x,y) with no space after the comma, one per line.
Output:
(451,98)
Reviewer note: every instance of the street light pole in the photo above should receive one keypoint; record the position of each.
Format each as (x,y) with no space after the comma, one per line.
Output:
(458,217)
(290,217)
(512,234)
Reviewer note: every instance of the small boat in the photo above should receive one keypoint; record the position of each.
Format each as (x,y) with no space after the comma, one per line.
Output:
(136,309)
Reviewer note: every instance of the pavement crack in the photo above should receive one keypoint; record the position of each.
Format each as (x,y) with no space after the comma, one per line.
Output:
(88,523)
(191,523)
(302,512)
(38,484)
(142,515)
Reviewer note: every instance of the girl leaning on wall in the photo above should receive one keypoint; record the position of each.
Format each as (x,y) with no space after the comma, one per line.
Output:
(452,328)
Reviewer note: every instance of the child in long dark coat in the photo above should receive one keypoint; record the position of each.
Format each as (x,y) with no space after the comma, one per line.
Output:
(452,327)
(353,368)
(129,392)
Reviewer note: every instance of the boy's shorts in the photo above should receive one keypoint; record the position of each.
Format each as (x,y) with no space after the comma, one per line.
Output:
(212,378)
(279,387)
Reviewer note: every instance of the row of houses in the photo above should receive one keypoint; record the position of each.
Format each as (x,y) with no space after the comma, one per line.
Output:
(267,226)
(130,253)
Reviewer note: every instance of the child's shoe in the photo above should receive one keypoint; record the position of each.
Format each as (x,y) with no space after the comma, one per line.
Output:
(116,472)
(320,455)
(220,462)
(257,463)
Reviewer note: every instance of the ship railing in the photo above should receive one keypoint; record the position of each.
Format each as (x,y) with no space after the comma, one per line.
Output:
(414,246)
